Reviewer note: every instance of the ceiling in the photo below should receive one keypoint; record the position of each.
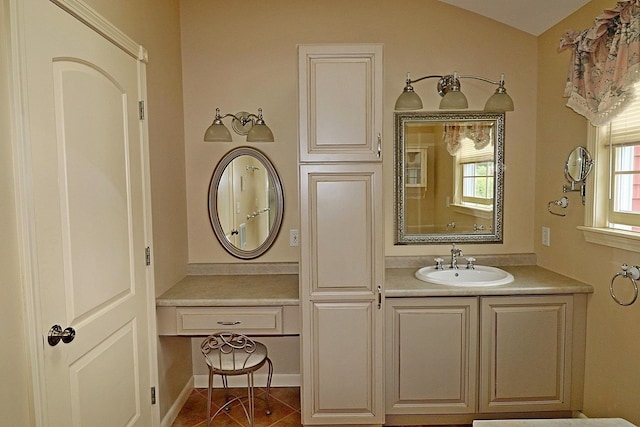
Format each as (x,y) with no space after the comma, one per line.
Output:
(531,16)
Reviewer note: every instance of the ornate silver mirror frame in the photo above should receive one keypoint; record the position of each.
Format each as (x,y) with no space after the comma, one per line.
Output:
(246,203)
(420,139)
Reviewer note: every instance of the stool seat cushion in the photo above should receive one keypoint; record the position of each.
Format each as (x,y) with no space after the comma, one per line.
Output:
(237,361)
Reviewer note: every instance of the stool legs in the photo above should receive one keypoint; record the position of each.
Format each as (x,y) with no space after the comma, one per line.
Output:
(266,397)
(250,413)
(209,398)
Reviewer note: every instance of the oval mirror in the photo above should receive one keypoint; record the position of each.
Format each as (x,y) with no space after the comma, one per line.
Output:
(578,165)
(449,170)
(246,203)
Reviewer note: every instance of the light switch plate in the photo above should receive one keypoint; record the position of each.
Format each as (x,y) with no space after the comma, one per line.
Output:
(294,237)
(546,236)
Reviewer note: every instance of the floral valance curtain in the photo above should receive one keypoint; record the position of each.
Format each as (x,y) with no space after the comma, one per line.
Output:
(454,134)
(605,63)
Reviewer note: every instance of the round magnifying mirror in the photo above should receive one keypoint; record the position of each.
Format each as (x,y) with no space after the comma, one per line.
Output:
(246,203)
(578,165)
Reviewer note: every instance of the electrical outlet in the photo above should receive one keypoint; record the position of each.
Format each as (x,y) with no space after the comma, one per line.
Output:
(546,236)
(294,237)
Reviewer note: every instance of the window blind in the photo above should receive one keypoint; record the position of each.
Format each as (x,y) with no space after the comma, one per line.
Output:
(625,128)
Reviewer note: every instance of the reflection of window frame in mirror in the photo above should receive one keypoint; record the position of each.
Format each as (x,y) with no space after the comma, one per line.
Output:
(467,157)
(603,223)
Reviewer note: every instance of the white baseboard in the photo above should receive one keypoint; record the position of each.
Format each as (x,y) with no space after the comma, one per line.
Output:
(278,380)
(173,412)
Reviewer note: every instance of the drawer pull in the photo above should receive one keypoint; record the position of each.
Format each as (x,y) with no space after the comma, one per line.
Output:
(235,322)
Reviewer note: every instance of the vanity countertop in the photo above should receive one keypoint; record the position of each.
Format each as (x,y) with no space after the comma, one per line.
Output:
(232,290)
(528,280)
(282,289)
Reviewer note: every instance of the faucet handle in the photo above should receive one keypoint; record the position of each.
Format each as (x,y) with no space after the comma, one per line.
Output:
(438,262)
(470,263)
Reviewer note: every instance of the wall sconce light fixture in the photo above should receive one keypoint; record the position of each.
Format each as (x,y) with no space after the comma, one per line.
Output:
(243,123)
(452,97)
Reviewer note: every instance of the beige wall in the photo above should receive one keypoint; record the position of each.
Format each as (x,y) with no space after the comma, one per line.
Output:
(15,395)
(244,58)
(612,375)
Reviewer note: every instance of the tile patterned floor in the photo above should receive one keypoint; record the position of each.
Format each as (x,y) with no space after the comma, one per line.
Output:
(285,409)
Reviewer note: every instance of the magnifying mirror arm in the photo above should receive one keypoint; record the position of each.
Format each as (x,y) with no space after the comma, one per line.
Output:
(580,186)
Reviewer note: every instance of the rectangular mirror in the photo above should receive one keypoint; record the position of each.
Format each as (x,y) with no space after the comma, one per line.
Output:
(449,170)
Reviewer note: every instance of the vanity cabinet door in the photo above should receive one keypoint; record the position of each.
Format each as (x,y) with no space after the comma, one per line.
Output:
(526,353)
(340,95)
(341,277)
(431,355)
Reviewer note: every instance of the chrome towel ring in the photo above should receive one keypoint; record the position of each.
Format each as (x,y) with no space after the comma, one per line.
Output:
(632,273)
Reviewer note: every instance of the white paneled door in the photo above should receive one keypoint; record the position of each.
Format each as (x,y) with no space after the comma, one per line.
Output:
(86,161)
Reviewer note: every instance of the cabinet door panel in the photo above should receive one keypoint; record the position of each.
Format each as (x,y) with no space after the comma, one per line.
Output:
(344,364)
(526,353)
(431,355)
(342,213)
(340,102)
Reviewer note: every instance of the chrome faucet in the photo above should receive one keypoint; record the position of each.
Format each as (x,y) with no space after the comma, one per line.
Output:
(455,253)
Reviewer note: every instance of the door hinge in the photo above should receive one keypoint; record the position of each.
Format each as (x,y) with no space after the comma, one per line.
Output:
(141,109)
(153,395)
(147,255)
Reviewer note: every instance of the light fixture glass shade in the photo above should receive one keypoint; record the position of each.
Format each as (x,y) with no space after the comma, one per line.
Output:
(454,100)
(499,102)
(408,100)
(217,132)
(260,132)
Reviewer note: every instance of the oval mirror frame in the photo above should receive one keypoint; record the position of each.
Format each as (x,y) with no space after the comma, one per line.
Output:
(403,121)
(276,210)
(578,165)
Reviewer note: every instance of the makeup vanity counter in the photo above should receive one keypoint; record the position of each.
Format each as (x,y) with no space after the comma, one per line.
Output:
(266,304)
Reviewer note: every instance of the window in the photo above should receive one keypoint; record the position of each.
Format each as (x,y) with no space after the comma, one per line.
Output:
(614,217)
(475,171)
(624,161)
(477,182)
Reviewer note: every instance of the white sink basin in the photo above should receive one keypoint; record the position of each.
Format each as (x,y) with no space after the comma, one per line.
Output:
(480,276)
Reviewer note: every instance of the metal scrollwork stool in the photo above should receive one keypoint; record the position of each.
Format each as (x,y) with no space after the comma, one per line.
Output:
(632,273)
(230,354)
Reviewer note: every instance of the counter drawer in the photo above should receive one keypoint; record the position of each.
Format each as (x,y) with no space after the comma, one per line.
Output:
(246,320)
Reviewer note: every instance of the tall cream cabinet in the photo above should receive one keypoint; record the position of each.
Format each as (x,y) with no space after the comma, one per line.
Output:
(341,259)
